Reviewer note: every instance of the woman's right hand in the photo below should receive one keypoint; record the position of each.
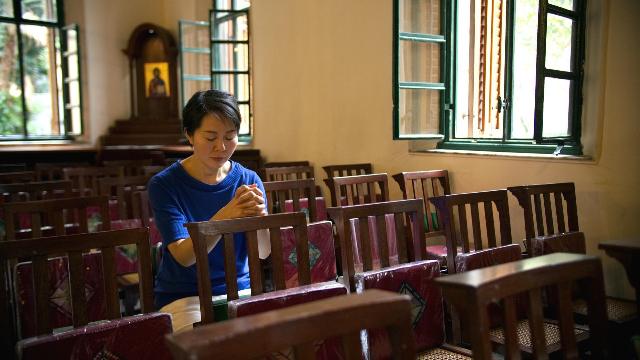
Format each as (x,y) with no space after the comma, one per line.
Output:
(248,201)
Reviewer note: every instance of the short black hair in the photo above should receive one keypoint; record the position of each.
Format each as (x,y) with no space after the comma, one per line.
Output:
(220,104)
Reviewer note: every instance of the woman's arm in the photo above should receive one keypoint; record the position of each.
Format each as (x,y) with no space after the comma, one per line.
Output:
(248,201)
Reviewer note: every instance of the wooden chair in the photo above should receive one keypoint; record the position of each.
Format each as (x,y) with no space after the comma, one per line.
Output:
(285,164)
(360,189)
(279,192)
(85,179)
(446,205)
(342,317)
(38,250)
(341,171)
(17,177)
(123,189)
(53,171)
(61,211)
(621,313)
(411,248)
(153,169)
(292,172)
(199,231)
(131,167)
(541,196)
(472,292)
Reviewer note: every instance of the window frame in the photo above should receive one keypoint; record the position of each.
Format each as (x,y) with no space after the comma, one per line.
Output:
(63,114)
(571,145)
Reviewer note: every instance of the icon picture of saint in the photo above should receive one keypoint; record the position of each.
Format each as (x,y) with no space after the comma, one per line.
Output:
(157,83)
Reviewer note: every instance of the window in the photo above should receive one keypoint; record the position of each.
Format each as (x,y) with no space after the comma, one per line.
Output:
(40,82)
(216,55)
(511,74)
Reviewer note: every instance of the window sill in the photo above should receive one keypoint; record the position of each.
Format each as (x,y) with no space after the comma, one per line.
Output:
(507,155)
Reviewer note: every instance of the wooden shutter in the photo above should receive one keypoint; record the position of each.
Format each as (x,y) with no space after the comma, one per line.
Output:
(491,62)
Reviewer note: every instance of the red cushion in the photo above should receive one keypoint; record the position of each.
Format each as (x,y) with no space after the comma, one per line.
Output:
(321,207)
(325,349)
(60,297)
(572,242)
(412,279)
(322,259)
(489,257)
(135,337)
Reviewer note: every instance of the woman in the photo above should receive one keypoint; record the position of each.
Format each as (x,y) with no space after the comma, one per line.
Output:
(205,186)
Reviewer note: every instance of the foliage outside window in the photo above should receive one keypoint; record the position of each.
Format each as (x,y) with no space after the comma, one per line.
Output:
(216,55)
(515,77)
(40,97)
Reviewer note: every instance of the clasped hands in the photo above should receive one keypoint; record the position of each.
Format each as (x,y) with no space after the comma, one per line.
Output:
(247,201)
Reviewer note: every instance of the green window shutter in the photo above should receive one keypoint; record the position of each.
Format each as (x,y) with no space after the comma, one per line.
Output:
(72,80)
(195,57)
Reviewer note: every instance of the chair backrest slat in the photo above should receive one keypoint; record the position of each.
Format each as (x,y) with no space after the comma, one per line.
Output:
(491,228)
(42,294)
(255,267)
(76,285)
(383,242)
(279,279)
(17,177)
(110,283)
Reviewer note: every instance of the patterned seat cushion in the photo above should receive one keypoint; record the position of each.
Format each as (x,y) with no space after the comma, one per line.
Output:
(373,234)
(60,296)
(321,207)
(428,314)
(325,349)
(135,337)
(322,259)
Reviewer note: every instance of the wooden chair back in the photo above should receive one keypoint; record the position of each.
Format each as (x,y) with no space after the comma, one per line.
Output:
(341,316)
(200,231)
(153,169)
(357,190)
(534,199)
(17,177)
(288,173)
(87,177)
(61,211)
(123,188)
(341,171)
(277,192)
(473,292)
(285,164)
(38,250)
(131,167)
(410,248)
(425,185)
(488,199)
(5,168)
(53,171)
(33,191)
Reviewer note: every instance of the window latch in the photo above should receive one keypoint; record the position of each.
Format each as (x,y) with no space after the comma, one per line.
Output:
(502,104)
(559,147)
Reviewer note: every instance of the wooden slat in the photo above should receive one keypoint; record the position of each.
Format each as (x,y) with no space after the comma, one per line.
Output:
(110,283)
(372,192)
(255,268)
(83,222)
(464,231)
(427,204)
(490,226)
(277,259)
(360,193)
(475,225)
(36,224)
(510,328)
(349,195)
(538,209)
(295,197)
(365,243)
(565,321)
(557,196)
(42,294)
(58,222)
(383,242)
(302,249)
(548,213)
(145,274)
(76,285)
(403,254)
(536,325)
(231,276)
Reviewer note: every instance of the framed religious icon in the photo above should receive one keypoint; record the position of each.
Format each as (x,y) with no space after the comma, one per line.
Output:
(156,79)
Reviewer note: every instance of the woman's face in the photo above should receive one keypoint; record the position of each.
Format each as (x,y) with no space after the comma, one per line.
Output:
(214,142)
